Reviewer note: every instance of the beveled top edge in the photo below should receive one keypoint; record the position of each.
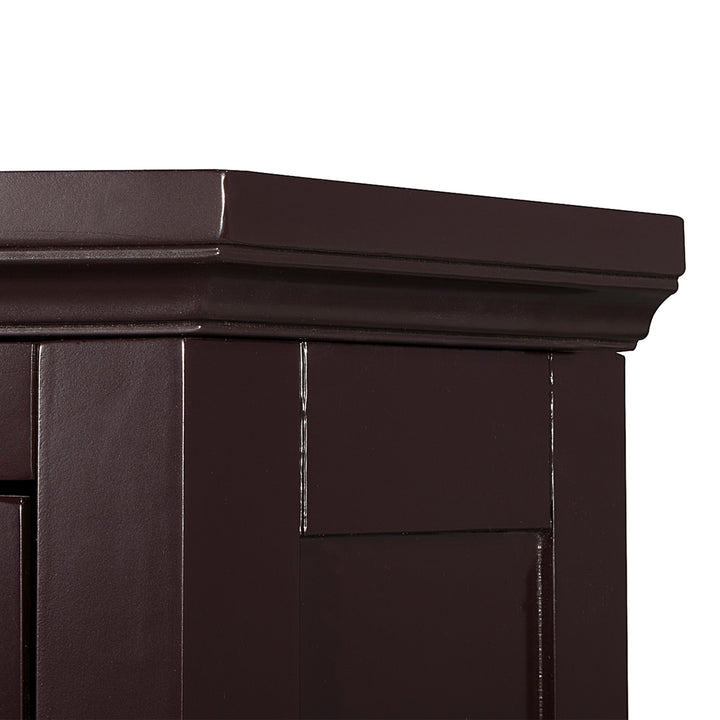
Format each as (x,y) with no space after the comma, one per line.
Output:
(180,207)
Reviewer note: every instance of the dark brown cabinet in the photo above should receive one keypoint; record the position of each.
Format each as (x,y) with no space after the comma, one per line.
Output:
(282,448)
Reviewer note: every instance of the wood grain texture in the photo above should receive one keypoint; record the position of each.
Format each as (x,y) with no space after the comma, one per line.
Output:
(430,626)
(241,529)
(16,412)
(422,439)
(15,576)
(589,529)
(110,529)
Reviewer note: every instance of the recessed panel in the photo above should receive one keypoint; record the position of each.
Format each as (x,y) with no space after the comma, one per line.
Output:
(414,439)
(420,626)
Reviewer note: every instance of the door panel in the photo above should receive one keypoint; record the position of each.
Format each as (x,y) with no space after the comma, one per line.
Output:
(421,626)
(405,439)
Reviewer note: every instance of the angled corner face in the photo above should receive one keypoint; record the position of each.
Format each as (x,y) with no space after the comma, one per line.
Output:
(109,535)
(134,207)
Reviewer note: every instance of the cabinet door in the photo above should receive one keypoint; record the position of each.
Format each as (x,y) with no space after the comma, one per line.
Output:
(426,556)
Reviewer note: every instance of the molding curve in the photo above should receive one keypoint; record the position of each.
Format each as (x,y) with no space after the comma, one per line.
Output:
(246,254)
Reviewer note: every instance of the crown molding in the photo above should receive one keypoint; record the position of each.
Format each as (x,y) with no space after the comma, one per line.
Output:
(248,254)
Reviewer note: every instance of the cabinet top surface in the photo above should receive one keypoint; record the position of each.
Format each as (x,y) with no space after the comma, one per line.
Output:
(206,208)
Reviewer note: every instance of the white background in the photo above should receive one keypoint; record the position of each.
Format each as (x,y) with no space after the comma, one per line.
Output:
(605,104)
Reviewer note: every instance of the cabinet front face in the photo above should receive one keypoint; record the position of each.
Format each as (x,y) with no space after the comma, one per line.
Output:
(255,528)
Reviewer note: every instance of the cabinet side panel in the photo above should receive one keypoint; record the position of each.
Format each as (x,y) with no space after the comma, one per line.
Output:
(109,529)
(16,412)
(589,526)
(12,651)
(241,529)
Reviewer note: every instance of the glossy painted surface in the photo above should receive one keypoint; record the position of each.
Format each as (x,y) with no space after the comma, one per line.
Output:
(109,208)
(233,614)
(415,439)
(241,592)
(420,626)
(254,255)
(288,212)
(274,211)
(589,527)
(126,292)
(172,578)
(110,530)
(14,577)
(16,412)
